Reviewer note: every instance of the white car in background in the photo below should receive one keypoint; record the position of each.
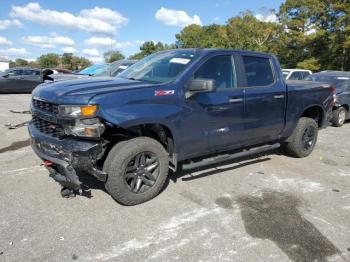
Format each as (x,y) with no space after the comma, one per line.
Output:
(295,74)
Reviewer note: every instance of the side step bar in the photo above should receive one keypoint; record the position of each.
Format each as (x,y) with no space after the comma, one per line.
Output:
(226,157)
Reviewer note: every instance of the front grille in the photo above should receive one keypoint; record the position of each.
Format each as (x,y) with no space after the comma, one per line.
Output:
(48,128)
(46,106)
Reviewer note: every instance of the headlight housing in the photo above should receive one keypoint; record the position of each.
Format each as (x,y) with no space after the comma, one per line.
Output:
(85,124)
(91,127)
(77,111)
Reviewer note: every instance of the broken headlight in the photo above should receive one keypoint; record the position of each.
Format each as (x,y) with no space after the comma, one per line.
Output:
(91,127)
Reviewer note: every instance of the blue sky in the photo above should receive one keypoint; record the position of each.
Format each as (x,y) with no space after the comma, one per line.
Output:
(89,28)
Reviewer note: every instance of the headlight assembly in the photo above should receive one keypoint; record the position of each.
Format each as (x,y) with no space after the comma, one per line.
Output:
(86,128)
(78,111)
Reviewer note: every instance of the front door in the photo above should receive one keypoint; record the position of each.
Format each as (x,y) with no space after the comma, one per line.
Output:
(213,121)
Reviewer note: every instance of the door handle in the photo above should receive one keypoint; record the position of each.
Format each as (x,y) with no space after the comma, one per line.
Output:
(236,100)
(278,97)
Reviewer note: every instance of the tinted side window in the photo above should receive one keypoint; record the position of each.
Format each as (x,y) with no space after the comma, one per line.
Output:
(296,76)
(258,71)
(28,72)
(16,72)
(305,74)
(219,68)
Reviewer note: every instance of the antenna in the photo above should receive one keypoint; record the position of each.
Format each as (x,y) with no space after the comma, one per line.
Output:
(197,44)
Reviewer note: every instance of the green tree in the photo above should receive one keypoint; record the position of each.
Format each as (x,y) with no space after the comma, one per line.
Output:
(310,64)
(78,63)
(317,29)
(191,36)
(151,47)
(21,62)
(49,60)
(67,61)
(245,32)
(111,56)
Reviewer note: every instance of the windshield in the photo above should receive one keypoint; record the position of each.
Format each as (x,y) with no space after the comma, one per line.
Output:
(105,71)
(92,70)
(337,81)
(113,69)
(160,67)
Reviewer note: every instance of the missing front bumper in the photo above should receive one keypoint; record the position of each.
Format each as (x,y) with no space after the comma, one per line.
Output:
(68,157)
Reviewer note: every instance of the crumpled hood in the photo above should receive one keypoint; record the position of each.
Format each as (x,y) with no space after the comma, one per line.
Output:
(80,91)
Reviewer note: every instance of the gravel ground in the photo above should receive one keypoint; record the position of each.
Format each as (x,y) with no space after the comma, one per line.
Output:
(266,208)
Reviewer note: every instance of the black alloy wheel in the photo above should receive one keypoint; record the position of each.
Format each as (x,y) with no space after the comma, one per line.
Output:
(309,137)
(142,172)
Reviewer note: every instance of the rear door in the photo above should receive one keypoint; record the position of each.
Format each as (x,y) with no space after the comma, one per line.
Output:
(305,74)
(297,75)
(29,80)
(265,99)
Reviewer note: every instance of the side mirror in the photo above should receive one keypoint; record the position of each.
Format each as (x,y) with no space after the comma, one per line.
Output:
(200,85)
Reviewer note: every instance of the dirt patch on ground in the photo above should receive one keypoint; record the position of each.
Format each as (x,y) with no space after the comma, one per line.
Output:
(15,146)
(275,216)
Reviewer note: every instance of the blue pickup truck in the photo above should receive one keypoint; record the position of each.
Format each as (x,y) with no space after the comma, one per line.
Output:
(183,108)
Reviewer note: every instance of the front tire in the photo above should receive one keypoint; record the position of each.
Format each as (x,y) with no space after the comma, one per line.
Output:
(339,116)
(137,170)
(303,139)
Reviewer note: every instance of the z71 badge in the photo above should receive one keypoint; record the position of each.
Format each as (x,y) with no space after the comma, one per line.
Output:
(164,92)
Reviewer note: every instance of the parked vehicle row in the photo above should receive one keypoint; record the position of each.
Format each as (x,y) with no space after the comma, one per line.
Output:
(182,107)
(341,81)
(111,70)
(25,79)
(295,74)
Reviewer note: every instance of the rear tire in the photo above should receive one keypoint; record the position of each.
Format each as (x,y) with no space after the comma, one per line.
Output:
(339,116)
(303,139)
(123,166)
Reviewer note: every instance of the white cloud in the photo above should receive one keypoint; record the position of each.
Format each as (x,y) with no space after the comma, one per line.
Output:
(5,41)
(125,44)
(176,17)
(140,42)
(100,41)
(48,41)
(5,24)
(271,18)
(108,42)
(96,60)
(96,20)
(91,52)
(69,49)
(216,19)
(14,52)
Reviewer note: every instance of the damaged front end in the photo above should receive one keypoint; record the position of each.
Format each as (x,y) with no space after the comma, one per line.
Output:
(65,155)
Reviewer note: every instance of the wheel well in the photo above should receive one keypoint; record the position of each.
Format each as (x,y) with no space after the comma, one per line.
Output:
(158,132)
(314,112)
(345,106)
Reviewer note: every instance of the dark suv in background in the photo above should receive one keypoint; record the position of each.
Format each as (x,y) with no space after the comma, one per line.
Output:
(20,80)
(341,81)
